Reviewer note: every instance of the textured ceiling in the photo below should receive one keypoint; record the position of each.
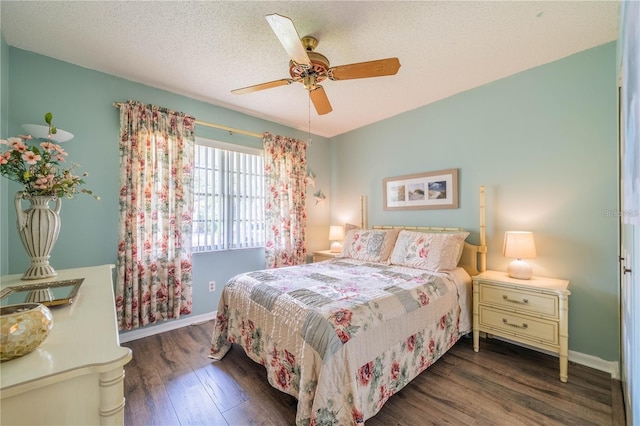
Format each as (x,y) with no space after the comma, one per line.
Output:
(205,49)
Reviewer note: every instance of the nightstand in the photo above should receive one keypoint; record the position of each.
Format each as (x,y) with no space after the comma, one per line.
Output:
(321,255)
(533,312)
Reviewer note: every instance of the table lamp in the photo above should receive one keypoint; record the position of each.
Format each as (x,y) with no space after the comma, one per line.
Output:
(519,245)
(336,234)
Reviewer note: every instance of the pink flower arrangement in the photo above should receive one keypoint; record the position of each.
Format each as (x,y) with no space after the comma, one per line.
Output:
(39,167)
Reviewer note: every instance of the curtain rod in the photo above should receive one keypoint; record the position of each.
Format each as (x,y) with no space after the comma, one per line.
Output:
(216,126)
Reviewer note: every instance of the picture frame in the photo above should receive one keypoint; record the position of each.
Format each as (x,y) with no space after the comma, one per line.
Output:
(430,190)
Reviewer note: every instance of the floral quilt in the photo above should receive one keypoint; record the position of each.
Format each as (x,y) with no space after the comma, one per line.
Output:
(342,336)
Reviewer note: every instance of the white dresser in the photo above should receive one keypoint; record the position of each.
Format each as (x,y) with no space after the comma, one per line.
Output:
(76,377)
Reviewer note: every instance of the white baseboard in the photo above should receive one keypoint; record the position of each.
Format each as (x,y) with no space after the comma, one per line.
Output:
(611,367)
(150,330)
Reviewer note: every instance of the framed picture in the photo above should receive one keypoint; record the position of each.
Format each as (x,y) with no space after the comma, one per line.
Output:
(431,190)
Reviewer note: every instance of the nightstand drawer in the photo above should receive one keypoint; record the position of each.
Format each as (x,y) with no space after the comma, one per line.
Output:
(319,256)
(523,301)
(523,325)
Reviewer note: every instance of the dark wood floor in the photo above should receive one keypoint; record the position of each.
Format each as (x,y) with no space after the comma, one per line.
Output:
(170,381)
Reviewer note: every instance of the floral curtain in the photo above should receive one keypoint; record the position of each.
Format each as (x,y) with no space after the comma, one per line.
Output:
(286,217)
(154,241)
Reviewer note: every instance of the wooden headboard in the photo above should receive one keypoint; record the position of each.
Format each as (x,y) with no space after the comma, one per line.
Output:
(474,257)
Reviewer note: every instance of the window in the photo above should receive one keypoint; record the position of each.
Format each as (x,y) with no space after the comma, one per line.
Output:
(228,197)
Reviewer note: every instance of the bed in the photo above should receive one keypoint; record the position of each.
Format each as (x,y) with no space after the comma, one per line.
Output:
(344,335)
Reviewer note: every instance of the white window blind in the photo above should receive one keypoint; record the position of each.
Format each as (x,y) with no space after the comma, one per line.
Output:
(228,197)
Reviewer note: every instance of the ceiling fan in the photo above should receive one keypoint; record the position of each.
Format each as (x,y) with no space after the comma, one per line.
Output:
(310,68)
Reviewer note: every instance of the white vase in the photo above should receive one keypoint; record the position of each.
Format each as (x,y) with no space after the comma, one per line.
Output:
(38,227)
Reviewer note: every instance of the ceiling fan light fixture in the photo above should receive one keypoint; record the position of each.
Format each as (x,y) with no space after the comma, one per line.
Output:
(309,81)
(319,65)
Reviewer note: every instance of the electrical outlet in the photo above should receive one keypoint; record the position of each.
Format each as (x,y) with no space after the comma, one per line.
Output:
(212,286)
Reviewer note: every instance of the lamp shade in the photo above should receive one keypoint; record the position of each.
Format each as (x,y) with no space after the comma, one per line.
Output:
(336,233)
(519,245)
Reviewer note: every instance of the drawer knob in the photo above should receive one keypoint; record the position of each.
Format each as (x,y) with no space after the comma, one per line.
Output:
(520,302)
(510,324)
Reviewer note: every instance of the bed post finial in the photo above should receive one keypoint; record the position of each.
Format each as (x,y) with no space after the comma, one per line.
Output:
(482,265)
(363,212)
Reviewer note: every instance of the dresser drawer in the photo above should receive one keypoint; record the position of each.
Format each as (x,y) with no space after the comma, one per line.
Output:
(535,303)
(523,325)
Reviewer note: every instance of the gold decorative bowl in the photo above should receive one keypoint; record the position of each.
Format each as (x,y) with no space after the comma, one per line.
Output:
(23,328)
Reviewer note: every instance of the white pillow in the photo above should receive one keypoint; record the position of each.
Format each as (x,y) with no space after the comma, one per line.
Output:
(349,226)
(433,251)
(369,245)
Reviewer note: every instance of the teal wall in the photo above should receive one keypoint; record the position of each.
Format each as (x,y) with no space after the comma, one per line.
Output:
(544,144)
(81,101)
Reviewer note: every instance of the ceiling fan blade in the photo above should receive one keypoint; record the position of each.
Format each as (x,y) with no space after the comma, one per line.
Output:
(320,100)
(262,86)
(288,35)
(378,68)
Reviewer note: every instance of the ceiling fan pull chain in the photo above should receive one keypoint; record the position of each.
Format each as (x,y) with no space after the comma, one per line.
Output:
(309,112)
